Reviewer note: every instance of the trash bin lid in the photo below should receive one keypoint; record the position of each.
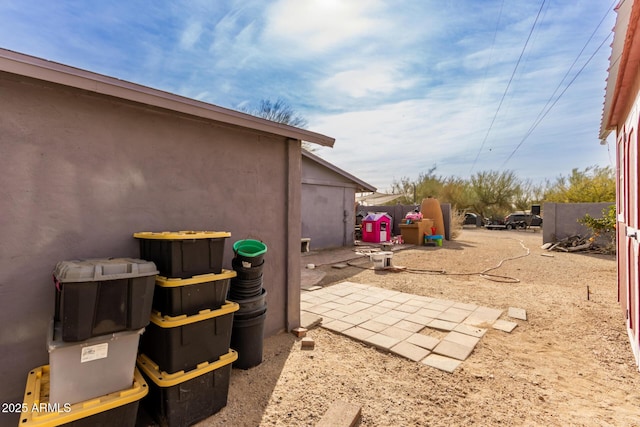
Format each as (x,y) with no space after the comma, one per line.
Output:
(102,269)
(181,235)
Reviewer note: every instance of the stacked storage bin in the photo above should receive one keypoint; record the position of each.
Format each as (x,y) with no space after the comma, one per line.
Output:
(114,409)
(248,291)
(102,307)
(185,353)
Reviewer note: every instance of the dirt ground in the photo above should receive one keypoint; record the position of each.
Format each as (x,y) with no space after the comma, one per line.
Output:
(569,364)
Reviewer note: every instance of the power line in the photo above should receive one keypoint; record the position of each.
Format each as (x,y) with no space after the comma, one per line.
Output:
(554,102)
(493,44)
(540,116)
(507,88)
(488,64)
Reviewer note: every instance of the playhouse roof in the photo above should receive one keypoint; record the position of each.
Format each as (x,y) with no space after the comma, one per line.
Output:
(376,216)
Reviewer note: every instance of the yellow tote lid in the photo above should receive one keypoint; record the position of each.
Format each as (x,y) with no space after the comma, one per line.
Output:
(175,321)
(37,394)
(195,280)
(181,235)
(163,379)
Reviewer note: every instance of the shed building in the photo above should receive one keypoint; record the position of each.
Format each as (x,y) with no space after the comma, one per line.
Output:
(621,115)
(328,202)
(87,160)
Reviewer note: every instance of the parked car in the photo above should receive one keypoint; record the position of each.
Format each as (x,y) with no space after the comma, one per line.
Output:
(471,218)
(494,223)
(522,220)
(514,220)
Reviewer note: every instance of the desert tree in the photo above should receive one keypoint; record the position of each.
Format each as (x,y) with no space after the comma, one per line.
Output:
(280,111)
(593,184)
(494,191)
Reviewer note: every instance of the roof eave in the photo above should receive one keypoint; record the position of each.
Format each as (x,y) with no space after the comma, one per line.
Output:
(624,62)
(41,69)
(362,186)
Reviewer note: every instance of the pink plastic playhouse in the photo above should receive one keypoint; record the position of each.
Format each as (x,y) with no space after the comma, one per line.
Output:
(376,227)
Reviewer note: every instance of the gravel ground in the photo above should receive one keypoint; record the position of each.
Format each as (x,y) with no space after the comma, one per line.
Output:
(570,363)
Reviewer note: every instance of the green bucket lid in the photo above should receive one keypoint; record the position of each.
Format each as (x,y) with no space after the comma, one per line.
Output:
(249,248)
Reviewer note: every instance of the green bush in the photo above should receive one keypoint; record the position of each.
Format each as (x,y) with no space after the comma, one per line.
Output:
(603,226)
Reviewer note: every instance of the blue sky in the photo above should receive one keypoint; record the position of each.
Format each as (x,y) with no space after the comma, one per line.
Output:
(403,85)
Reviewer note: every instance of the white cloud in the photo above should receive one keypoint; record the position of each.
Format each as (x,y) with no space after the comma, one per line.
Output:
(234,42)
(372,79)
(447,127)
(398,139)
(191,35)
(202,96)
(316,26)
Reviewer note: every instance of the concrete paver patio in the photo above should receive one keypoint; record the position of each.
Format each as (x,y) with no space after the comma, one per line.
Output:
(404,324)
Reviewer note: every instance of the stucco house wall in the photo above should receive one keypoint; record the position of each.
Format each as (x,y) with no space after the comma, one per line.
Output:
(328,203)
(88,160)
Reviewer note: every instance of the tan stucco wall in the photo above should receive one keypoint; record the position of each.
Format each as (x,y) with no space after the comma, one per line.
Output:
(81,172)
(328,206)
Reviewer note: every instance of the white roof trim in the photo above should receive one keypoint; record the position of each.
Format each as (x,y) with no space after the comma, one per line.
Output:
(623,14)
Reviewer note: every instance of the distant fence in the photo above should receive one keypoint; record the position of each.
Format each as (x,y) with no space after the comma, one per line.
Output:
(398,212)
(560,220)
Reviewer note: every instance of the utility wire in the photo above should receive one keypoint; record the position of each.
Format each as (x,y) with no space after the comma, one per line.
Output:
(572,65)
(486,68)
(540,116)
(555,102)
(507,88)
(491,51)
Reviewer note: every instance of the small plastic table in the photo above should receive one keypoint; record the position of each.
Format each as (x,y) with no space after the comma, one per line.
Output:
(437,238)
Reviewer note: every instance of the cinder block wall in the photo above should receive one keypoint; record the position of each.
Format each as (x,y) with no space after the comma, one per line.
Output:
(561,219)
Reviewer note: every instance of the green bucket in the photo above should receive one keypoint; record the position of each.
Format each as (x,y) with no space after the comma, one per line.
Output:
(250,251)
